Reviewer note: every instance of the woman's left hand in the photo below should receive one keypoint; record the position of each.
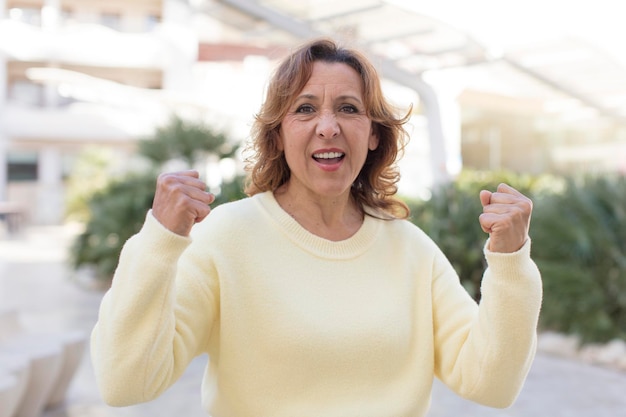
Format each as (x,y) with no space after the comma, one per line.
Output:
(506,217)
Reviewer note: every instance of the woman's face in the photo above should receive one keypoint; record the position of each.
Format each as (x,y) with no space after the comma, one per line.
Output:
(326,133)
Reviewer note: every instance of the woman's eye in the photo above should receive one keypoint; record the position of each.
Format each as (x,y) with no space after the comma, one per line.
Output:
(348,108)
(305,108)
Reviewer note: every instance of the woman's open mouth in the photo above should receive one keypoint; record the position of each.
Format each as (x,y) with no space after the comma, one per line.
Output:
(329,158)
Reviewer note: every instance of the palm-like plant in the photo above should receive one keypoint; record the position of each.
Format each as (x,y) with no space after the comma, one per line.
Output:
(118,211)
(450,218)
(580,247)
(185,140)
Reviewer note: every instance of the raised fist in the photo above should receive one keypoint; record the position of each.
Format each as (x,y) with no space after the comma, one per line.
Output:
(506,217)
(181,200)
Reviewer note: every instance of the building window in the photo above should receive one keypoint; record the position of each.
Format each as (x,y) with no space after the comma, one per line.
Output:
(26,93)
(22,166)
(111,20)
(151,22)
(68,16)
(29,15)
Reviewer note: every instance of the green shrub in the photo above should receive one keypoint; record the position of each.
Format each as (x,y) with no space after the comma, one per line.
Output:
(579,243)
(118,211)
(450,218)
(90,174)
(578,231)
(185,140)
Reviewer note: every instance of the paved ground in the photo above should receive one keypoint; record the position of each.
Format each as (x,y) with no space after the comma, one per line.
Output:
(34,277)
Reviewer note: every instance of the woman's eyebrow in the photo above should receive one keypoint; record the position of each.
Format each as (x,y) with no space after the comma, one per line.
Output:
(349,97)
(310,96)
(306,96)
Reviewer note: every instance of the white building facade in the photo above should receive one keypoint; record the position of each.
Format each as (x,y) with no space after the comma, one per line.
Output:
(81,73)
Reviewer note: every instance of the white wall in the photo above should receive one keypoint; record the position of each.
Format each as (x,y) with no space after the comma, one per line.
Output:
(3,138)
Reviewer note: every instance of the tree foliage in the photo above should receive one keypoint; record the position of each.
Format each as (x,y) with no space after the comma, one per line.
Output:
(578,233)
(185,140)
(116,213)
(580,246)
(450,218)
(90,174)
(118,210)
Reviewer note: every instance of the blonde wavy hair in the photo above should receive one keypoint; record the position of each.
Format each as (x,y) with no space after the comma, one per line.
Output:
(376,185)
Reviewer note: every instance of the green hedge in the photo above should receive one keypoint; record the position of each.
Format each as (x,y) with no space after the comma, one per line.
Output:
(578,230)
(117,210)
(579,243)
(117,213)
(450,217)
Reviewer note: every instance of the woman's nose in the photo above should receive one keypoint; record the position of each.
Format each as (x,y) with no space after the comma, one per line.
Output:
(327,126)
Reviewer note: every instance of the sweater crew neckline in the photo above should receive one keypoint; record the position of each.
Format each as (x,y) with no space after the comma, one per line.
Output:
(348,248)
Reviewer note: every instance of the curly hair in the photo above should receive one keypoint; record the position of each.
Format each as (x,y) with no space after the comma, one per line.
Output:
(376,184)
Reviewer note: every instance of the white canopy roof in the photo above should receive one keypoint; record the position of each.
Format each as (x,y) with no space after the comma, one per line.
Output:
(567,52)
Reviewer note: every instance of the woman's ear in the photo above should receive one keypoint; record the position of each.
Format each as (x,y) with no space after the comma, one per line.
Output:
(373,140)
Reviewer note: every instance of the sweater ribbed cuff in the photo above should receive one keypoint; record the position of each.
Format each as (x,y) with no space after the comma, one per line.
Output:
(156,238)
(514,264)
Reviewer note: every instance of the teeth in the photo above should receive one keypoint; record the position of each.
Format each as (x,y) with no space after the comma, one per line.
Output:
(328,155)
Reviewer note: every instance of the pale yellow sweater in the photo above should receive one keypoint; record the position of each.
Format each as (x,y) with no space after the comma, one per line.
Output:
(299,326)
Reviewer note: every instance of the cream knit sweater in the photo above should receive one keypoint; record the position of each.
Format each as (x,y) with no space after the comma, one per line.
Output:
(298,326)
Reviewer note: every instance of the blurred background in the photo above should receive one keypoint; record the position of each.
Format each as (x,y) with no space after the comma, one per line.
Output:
(535,88)
(97,97)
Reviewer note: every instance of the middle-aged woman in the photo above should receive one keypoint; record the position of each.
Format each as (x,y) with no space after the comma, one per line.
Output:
(315,296)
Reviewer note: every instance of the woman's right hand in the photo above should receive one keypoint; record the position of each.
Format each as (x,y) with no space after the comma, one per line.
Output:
(181,200)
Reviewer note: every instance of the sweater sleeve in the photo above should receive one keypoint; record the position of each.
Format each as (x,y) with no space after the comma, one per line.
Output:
(155,318)
(484,352)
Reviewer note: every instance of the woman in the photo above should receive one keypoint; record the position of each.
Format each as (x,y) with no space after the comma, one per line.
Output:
(315,296)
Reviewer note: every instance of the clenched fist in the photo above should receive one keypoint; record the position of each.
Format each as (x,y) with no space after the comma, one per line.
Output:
(506,217)
(181,200)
